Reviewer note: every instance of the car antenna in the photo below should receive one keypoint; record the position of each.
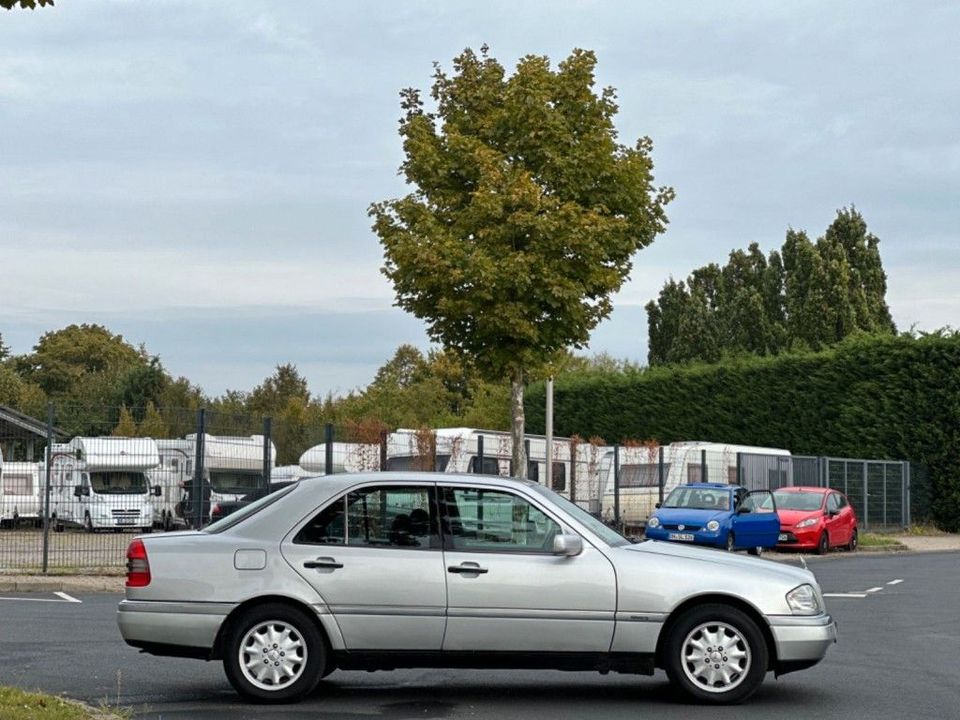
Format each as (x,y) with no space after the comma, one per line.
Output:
(803,562)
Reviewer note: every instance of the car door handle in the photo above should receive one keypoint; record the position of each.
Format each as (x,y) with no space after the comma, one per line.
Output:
(467,569)
(324,562)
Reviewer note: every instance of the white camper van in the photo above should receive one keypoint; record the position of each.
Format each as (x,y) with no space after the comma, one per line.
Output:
(232,468)
(683,462)
(288,473)
(21,493)
(101,483)
(171,476)
(347,458)
(457,450)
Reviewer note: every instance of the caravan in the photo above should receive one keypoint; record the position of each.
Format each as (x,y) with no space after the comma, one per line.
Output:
(101,483)
(171,477)
(21,493)
(683,463)
(347,458)
(232,468)
(577,466)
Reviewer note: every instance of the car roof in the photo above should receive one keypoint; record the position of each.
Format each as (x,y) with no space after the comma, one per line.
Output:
(343,481)
(712,486)
(806,489)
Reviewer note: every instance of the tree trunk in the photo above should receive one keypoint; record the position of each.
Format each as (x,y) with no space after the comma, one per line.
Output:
(517,429)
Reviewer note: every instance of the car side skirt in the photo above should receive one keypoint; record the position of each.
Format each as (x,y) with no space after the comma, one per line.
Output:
(370,660)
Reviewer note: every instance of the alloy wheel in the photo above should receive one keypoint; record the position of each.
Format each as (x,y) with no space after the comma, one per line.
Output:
(715,657)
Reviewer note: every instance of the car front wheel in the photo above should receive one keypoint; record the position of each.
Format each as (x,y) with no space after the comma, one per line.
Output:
(823,546)
(274,654)
(716,654)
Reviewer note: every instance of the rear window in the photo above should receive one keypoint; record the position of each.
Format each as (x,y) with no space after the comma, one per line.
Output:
(247,511)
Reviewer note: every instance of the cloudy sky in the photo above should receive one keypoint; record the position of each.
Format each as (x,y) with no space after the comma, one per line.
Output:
(195,175)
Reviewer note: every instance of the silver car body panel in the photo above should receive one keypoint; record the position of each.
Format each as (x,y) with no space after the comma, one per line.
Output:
(606,599)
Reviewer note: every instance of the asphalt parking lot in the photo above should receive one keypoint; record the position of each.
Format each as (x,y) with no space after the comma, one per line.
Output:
(899,649)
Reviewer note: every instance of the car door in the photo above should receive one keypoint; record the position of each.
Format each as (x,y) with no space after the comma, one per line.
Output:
(836,523)
(507,591)
(374,557)
(755,522)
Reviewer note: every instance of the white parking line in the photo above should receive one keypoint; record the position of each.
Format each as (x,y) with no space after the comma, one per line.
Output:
(874,589)
(845,595)
(68,598)
(62,597)
(895,582)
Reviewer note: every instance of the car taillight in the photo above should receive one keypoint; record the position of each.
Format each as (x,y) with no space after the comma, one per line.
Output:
(215,512)
(138,568)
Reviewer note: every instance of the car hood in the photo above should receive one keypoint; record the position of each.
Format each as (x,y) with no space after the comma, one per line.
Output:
(696,554)
(689,515)
(792,517)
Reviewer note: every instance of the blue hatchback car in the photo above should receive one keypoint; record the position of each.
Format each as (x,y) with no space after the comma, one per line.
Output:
(726,516)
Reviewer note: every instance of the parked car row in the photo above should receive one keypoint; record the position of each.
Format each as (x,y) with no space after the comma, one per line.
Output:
(731,517)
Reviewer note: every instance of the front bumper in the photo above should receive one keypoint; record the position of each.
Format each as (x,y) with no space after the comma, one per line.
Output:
(700,537)
(163,628)
(803,539)
(801,641)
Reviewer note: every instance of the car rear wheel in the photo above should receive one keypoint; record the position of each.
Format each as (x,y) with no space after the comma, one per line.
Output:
(823,546)
(716,654)
(274,653)
(852,545)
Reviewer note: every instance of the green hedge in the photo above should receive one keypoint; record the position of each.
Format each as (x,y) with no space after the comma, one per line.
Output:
(875,397)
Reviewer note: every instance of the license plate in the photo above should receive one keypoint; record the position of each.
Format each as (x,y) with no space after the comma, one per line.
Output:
(782,538)
(683,537)
(124,521)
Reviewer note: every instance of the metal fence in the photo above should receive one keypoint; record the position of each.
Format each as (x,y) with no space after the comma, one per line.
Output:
(76,484)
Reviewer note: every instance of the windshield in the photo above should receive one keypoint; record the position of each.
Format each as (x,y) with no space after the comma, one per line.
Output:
(118,482)
(798,500)
(696,498)
(606,533)
(235,482)
(248,510)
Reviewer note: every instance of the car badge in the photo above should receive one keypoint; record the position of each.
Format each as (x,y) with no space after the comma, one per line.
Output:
(681,527)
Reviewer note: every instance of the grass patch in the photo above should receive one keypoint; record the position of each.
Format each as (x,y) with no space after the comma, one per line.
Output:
(878,540)
(16,704)
(922,530)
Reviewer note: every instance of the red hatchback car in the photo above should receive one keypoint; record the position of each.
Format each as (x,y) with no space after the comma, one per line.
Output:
(813,518)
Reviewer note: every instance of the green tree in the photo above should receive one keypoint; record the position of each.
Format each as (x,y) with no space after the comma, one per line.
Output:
(272,395)
(25,4)
(525,213)
(126,425)
(807,295)
(4,350)
(153,424)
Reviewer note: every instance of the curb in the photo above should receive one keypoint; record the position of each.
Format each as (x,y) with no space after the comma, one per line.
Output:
(51,585)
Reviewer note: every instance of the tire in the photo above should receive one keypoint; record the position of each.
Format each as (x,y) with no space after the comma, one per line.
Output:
(852,545)
(823,545)
(757,551)
(167,522)
(56,524)
(731,544)
(88,523)
(727,678)
(304,644)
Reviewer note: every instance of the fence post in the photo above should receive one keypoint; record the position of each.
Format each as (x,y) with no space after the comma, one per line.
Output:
(267,451)
(328,449)
(383,450)
(46,491)
(616,486)
(866,499)
(884,494)
(478,466)
(198,489)
(905,486)
(660,478)
(704,474)
(739,468)
(574,447)
(526,454)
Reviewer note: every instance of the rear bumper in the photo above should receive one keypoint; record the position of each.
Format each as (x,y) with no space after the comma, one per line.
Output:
(171,628)
(801,641)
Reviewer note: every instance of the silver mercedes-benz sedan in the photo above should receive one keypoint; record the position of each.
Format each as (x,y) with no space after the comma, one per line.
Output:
(399,570)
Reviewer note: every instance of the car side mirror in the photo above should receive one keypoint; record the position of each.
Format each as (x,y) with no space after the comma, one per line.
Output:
(568,545)
(156,491)
(657,506)
(81,491)
(743,510)
(833,513)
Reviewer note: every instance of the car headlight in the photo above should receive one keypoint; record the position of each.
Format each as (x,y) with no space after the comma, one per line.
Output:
(713,526)
(807,523)
(803,600)
(653,522)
